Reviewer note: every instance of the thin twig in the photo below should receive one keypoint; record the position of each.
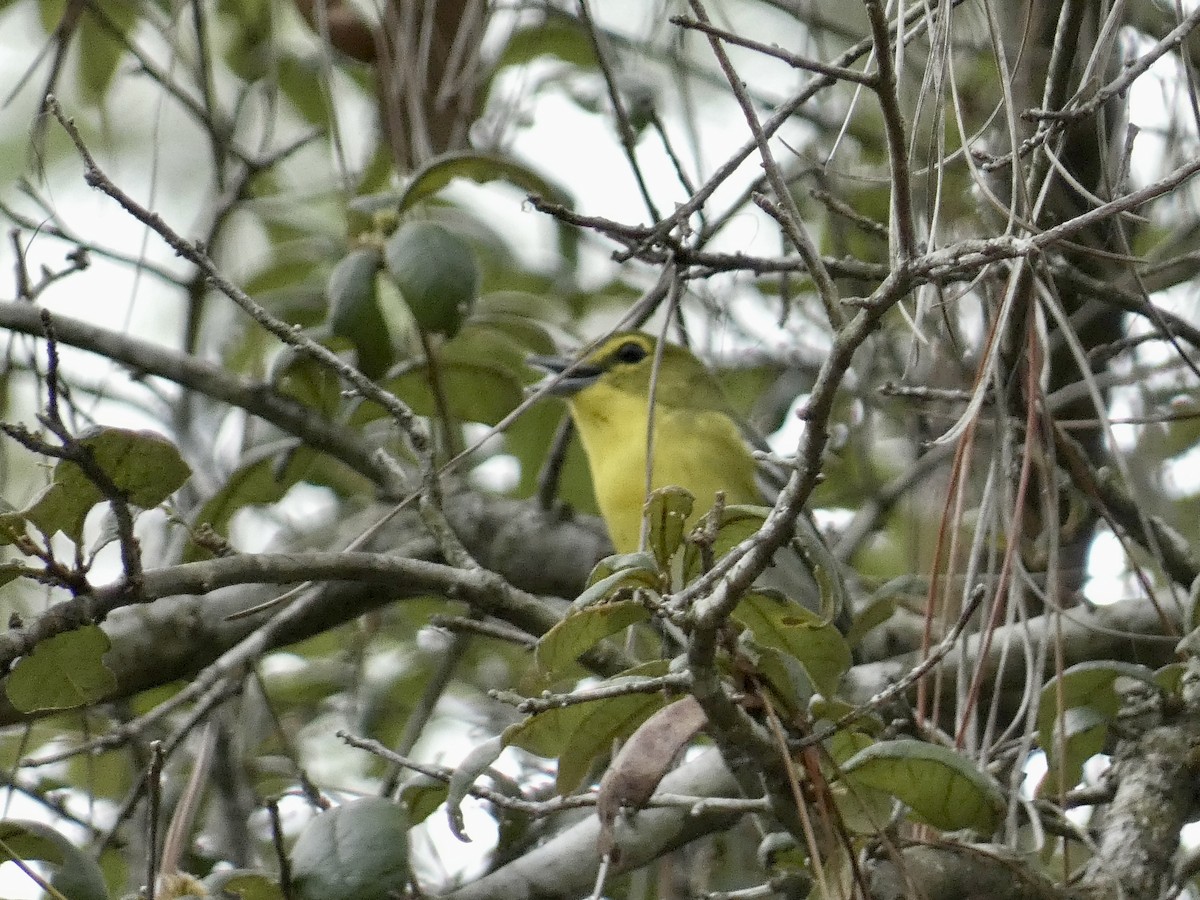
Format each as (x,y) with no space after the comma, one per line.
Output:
(496,630)
(257,398)
(839,73)
(675,682)
(894,131)
(410,424)
(793,222)
(551,470)
(625,133)
(281,856)
(153,783)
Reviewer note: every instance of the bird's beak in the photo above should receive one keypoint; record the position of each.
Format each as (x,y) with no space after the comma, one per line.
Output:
(564,376)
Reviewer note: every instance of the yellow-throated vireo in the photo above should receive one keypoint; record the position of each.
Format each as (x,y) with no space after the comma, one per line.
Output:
(698,445)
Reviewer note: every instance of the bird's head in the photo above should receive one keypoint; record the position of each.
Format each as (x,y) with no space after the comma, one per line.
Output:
(624,363)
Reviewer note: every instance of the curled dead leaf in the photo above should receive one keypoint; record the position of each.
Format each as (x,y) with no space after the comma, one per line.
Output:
(641,764)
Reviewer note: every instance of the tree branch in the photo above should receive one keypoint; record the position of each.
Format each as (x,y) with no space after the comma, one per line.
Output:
(213,381)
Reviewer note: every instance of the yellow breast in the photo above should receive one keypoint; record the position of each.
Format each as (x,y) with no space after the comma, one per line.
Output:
(699,450)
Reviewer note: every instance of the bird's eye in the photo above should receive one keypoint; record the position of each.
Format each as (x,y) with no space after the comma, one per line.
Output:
(631,352)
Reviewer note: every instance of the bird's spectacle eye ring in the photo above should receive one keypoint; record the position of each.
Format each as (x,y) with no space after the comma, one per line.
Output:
(631,352)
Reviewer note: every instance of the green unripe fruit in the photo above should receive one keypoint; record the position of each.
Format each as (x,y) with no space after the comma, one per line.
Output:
(436,272)
(356,851)
(354,309)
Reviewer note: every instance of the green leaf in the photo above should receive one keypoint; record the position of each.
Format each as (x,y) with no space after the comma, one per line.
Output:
(559,647)
(831,709)
(862,810)
(547,733)
(244,883)
(738,522)
(779,623)
(264,478)
(638,561)
(51,12)
(877,611)
(100,52)
(478,761)
(57,508)
(792,687)
(482,368)
(422,796)
(65,671)
(1170,676)
(77,876)
(144,466)
(564,40)
(106,775)
(300,376)
(518,317)
(289,282)
(356,851)
(666,511)
(436,273)
(735,523)
(1078,735)
(301,81)
(597,731)
(1090,685)
(843,744)
(354,309)
(622,571)
(480,168)
(942,788)
(579,732)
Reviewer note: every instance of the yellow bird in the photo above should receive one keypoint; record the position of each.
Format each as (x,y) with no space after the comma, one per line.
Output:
(697,443)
